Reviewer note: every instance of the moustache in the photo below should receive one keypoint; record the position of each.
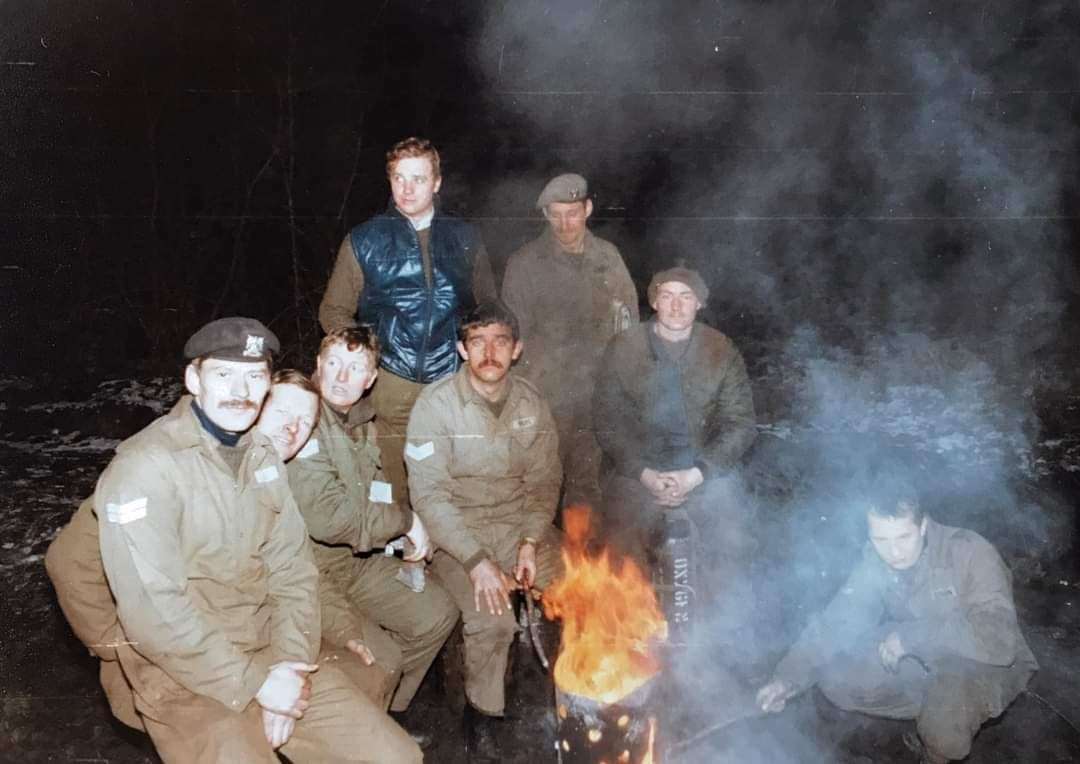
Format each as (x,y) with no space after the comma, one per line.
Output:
(239,404)
(492,364)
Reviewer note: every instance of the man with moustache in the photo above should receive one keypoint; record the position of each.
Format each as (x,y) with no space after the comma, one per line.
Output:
(352,513)
(571,293)
(208,560)
(674,413)
(409,272)
(925,628)
(73,562)
(484,471)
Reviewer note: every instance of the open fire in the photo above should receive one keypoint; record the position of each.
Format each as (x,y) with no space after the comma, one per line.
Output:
(612,624)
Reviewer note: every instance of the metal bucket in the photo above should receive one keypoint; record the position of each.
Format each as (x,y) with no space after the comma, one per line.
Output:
(590,732)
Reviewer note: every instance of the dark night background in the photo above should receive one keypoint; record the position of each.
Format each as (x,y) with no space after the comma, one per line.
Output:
(882,197)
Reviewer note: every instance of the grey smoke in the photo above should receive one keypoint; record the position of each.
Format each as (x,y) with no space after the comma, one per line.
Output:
(875,193)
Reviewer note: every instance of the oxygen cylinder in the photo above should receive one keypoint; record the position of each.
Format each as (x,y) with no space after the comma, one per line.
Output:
(676,573)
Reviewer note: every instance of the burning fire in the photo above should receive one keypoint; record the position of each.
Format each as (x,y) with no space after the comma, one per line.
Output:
(611,620)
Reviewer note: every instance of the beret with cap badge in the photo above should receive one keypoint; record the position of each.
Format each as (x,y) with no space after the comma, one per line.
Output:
(233,339)
(569,187)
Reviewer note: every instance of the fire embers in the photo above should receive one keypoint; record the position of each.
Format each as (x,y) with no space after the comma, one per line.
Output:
(598,733)
(612,626)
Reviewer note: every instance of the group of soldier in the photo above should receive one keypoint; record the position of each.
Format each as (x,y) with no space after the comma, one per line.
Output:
(235,571)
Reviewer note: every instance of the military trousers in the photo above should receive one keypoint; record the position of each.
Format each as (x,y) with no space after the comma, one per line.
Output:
(487,637)
(393,398)
(949,698)
(341,725)
(412,625)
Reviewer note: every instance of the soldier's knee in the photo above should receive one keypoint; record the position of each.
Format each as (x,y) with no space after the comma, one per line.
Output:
(499,629)
(945,734)
(838,694)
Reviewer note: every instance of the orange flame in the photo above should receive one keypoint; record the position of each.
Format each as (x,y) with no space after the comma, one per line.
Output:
(611,619)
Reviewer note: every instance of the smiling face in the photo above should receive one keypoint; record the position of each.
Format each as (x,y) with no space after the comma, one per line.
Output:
(230,393)
(288,418)
(344,375)
(489,352)
(899,541)
(414,184)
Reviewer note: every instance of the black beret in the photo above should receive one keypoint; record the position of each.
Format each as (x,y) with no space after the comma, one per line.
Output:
(233,339)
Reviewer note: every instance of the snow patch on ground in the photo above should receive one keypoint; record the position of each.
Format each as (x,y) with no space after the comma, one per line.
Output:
(158,395)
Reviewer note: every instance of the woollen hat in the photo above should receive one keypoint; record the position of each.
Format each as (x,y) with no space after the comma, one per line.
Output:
(233,339)
(569,187)
(683,275)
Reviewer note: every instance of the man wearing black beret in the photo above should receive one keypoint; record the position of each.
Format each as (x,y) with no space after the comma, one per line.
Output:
(207,557)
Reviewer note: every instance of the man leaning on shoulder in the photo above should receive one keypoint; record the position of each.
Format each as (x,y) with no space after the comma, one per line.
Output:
(208,560)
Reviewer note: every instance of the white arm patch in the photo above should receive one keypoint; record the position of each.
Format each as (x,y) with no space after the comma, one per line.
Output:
(121,514)
(421,452)
(310,449)
(266,474)
(381,492)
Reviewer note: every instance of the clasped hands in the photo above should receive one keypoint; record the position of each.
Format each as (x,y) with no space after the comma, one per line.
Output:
(671,488)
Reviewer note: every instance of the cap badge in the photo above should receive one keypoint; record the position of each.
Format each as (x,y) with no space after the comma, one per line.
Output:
(254,346)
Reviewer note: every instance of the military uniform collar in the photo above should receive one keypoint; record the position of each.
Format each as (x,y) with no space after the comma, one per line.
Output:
(185,430)
(468,394)
(653,339)
(552,247)
(360,414)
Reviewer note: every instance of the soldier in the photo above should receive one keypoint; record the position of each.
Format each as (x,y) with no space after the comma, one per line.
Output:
(352,512)
(924,628)
(73,562)
(484,471)
(409,272)
(571,293)
(674,413)
(215,586)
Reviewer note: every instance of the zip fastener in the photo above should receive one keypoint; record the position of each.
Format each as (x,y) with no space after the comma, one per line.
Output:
(421,356)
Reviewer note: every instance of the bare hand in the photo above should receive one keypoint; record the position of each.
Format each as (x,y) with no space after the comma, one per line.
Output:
(421,542)
(774,696)
(278,728)
(286,688)
(525,569)
(359,648)
(891,651)
(658,485)
(685,481)
(489,587)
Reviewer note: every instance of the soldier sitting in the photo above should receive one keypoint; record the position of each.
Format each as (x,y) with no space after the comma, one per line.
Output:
(214,583)
(484,475)
(924,628)
(674,413)
(352,512)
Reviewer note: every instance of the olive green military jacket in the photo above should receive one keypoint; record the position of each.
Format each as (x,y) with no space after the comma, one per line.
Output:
(568,306)
(475,479)
(956,601)
(715,391)
(332,478)
(211,570)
